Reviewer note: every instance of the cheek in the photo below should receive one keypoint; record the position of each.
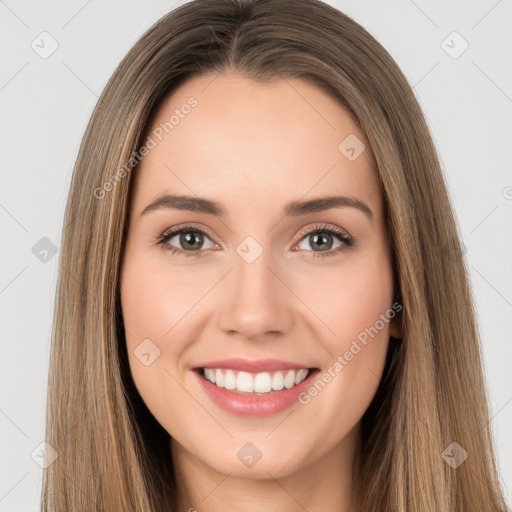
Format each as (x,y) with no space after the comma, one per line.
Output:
(347,300)
(156,297)
(355,309)
(160,314)
(151,307)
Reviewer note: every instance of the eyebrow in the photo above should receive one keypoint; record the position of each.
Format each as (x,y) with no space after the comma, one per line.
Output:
(291,209)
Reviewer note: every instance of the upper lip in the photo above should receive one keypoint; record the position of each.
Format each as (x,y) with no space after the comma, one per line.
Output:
(252,365)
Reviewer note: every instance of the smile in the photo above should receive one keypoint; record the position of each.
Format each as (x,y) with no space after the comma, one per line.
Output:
(255,393)
(254,383)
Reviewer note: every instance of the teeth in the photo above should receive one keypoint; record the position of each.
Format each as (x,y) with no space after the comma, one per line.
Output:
(219,378)
(244,382)
(289,380)
(278,381)
(230,380)
(300,376)
(264,382)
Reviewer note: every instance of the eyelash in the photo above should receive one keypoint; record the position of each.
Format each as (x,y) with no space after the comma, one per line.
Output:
(348,241)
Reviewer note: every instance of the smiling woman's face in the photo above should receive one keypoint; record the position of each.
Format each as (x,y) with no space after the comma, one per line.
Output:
(257,280)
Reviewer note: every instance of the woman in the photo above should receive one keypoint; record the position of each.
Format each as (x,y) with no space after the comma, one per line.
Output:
(205,355)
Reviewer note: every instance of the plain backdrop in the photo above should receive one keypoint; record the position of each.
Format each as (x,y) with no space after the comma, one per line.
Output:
(456,55)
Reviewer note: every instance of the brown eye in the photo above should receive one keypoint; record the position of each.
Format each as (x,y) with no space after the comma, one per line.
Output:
(322,239)
(191,240)
(187,240)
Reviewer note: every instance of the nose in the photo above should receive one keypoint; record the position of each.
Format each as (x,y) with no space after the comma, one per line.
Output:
(256,301)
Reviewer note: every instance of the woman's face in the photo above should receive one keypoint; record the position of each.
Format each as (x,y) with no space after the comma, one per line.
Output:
(258,291)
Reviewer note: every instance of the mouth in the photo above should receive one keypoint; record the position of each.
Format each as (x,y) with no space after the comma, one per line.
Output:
(254,387)
(264,383)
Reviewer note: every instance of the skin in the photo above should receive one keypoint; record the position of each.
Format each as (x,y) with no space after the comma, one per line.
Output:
(255,147)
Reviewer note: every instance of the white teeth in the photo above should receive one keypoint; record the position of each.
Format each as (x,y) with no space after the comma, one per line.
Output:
(230,380)
(209,374)
(244,382)
(263,382)
(301,375)
(278,381)
(289,380)
(219,378)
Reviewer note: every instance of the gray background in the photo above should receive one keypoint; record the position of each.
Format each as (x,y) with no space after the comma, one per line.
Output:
(46,103)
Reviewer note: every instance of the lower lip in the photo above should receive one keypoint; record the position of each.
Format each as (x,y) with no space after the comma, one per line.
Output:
(254,405)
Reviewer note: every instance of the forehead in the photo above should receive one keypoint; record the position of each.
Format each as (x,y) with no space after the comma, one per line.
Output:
(241,142)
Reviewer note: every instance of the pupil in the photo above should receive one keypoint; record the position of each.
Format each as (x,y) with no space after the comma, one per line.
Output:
(324,240)
(189,238)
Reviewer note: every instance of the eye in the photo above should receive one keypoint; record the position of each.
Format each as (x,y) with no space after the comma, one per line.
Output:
(322,238)
(190,238)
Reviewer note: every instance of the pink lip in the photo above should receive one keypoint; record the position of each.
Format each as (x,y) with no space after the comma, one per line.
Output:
(252,366)
(254,405)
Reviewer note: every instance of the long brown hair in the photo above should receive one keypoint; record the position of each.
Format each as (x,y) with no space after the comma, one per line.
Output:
(112,454)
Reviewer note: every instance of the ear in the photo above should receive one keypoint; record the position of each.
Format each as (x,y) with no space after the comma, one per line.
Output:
(396,325)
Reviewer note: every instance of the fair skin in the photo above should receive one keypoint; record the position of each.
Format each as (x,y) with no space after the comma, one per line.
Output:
(254,148)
